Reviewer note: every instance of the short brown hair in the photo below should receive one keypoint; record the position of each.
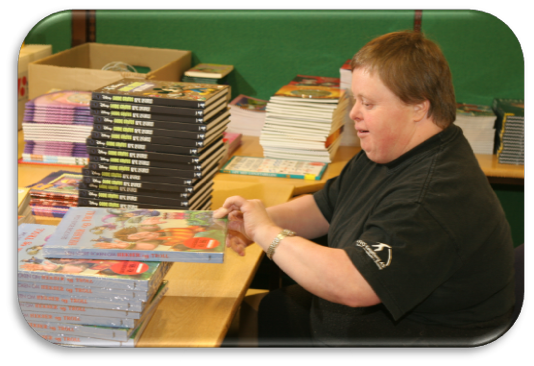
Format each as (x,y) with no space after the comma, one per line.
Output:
(414,69)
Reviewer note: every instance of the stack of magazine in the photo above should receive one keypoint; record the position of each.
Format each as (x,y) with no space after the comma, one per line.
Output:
(154,144)
(510,136)
(248,115)
(53,195)
(304,121)
(478,125)
(55,127)
(87,302)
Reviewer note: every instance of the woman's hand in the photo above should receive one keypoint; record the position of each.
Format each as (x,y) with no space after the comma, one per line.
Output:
(247,219)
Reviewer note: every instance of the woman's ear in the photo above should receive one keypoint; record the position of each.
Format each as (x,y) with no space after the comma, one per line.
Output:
(421,110)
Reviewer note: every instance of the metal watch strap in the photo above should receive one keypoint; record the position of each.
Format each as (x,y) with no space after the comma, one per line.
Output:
(276,241)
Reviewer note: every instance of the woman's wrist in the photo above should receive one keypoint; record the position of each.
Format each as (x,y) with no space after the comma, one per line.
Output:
(266,235)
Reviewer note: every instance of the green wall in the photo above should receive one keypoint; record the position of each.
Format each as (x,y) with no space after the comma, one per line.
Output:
(269,47)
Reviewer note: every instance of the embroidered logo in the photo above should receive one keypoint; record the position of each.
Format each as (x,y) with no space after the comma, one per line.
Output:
(372,252)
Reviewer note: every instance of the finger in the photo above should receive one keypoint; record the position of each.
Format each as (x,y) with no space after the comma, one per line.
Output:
(234,201)
(220,213)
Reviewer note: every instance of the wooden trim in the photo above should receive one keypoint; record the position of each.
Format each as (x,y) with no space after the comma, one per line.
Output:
(417,20)
(83,27)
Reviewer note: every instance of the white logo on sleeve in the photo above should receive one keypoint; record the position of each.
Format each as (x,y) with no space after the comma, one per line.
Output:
(384,249)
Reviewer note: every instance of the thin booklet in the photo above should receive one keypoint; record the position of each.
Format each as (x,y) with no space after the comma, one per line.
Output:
(164,235)
(281,168)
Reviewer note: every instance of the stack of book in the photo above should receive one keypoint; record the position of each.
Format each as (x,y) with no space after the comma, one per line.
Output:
(345,76)
(231,141)
(349,137)
(86,302)
(53,195)
(55,127)
(478,125)
(97,278)
(304,123)
(510,126)
(24,214)
(208,74)
(154,144)
(248,115)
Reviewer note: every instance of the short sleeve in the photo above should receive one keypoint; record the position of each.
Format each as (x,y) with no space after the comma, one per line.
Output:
(404,254)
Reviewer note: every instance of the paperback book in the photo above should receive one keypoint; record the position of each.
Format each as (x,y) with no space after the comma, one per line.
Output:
(164,93)
(146,234)
(165,125)
(196,157)
(60,185)
(211,71)
(323,94)
(280,168)
(315,80)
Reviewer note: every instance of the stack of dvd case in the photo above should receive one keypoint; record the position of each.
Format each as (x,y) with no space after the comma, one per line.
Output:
(154,144)
(55,127)
(86,302)
(510,130)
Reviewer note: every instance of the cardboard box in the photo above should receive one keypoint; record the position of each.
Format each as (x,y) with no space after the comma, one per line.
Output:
(80,68)
(27,54)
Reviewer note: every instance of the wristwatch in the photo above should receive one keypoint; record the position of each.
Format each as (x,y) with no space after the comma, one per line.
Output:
(276,241)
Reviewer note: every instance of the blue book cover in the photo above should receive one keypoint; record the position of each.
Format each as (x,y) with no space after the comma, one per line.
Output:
(280,168)
(140,235)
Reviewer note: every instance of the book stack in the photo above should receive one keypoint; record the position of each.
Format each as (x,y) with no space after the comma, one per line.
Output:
(232,141)
(248,115)
(345,76)
(55,127)
(478,125)
(208,74)
(349,137)
(53,195)
(304,123)
(510,126)
(154,144)
(24,213)
(87,302)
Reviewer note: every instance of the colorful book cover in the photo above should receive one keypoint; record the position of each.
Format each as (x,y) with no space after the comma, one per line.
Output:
(212,71)
(322,93)
(61,184)
(346,65)
(280,168)
(119,274)
(65,99)
(154,92)
(315,80)
(249,103)
(143,234)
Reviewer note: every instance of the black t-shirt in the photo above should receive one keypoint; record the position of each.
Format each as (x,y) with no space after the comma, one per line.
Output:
(426,231)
